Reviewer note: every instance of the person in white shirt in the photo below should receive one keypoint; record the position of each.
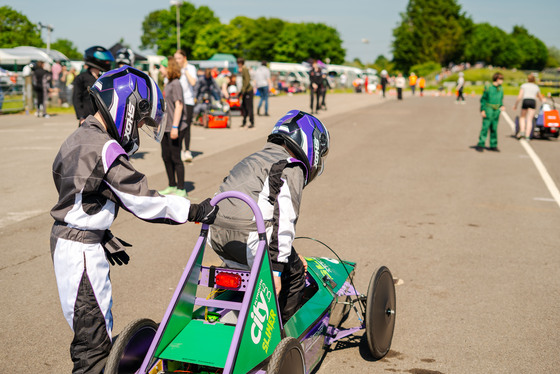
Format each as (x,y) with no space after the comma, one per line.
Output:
(460,86)
(529,93)
(263,83)
(188,81)
(400,83)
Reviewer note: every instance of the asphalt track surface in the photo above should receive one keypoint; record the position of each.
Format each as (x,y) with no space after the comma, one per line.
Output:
(472,238)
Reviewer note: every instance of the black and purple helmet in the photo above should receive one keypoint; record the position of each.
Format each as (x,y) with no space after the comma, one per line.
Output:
(306,137)
(128,99)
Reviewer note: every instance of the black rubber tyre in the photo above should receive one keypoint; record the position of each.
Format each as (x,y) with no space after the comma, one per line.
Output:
(287,358)
(381,309)
(130,347)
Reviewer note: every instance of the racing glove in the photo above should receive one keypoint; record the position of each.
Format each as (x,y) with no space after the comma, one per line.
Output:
(114,249)
(203,212)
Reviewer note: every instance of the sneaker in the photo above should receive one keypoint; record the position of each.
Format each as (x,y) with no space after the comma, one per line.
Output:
(494,149)
(186,156)
(180,193)
(251,125)
(167,191)
(479,148)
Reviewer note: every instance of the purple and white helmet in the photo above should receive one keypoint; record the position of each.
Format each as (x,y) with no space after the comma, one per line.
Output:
(306,137)
(128,99)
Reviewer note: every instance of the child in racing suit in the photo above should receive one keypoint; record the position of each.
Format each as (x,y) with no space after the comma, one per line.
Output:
(274,177)
(94,177)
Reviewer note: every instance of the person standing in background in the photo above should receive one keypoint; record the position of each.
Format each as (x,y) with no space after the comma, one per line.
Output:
(421,85)
(263,83)
(460,87)
(400,83)
(315,79)
(62,91)
(247,94)
(491,105)
(56,70)
(70,83)
(323,91)
(40,77)
(175,128)
(384,81)
(188,81)
(97,61)
(529,93)
(412,78)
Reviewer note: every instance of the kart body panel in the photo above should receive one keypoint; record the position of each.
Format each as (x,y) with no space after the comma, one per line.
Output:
(188,339)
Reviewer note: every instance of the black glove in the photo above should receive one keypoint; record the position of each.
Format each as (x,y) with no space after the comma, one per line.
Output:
(114,249)
(203,212)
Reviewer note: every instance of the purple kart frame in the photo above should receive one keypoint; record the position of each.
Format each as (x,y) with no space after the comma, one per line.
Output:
(295,348)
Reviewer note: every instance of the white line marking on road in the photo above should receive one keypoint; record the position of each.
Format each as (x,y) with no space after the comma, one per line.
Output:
(548,199)
(13,217)
(548,181)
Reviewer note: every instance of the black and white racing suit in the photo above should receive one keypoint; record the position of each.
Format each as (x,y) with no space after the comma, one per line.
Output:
(275,180)
(94,178)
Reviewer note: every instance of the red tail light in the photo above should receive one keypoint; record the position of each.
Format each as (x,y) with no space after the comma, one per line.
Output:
(228,280)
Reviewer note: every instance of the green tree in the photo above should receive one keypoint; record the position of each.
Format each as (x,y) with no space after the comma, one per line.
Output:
(16,30)
(68,48)
(430,30)
(382,63)
(493,46)
(553,60)
(534,53)
(160,27)
(214,39)
(302,41)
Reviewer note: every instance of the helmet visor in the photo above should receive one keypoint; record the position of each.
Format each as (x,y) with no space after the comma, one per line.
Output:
(103,55)
(153,128)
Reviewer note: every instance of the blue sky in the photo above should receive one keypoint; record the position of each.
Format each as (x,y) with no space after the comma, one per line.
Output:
(104,22)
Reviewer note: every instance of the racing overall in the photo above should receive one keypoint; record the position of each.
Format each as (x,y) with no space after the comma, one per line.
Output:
(94,177)
(275,181)
(490,102)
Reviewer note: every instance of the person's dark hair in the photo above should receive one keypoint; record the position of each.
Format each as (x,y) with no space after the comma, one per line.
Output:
(263,63)
(531,78)
(240,61)
(182,52)
(497,76)
(208,73)
(173,69)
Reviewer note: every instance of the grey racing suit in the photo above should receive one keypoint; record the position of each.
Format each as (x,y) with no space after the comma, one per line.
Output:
(94,178)
(275,181)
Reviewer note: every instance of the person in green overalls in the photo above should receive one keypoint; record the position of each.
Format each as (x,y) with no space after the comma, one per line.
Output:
(491,105)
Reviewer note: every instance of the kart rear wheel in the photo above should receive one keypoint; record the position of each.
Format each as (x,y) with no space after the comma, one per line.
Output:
(287,358)
(380,312)
(130,347)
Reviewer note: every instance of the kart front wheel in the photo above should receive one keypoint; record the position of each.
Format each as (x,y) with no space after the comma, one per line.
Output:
(130,347)
(287,358)
(380,312)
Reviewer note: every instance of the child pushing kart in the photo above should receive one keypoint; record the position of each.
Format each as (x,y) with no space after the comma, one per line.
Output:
(275,178)
(94,177)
